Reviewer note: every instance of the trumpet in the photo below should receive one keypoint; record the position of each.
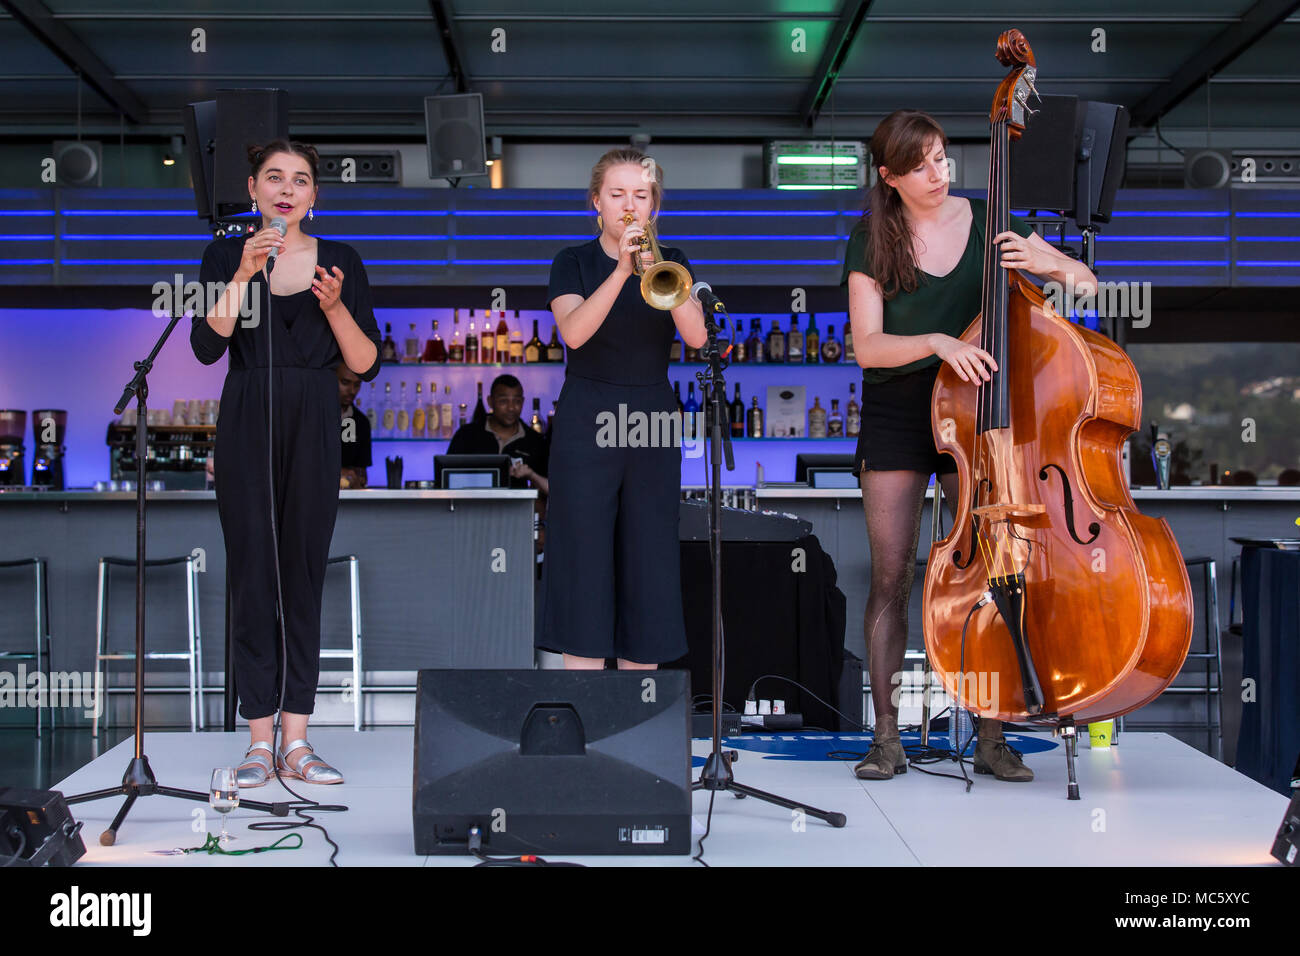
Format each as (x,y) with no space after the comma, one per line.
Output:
(664,285)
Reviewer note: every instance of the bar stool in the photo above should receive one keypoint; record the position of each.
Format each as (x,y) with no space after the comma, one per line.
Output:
(1213,652)
(193,655)
(354,652)
(42,615)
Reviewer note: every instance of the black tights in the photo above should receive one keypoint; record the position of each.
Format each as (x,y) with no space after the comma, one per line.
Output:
(892,501)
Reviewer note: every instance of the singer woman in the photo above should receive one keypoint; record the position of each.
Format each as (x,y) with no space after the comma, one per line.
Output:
(277,493)
(914,268)
(611,585)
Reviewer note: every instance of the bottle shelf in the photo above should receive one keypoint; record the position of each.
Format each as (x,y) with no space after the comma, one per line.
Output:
(841,439)
(386,365)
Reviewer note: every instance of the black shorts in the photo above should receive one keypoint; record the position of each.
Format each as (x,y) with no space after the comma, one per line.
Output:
(895,431)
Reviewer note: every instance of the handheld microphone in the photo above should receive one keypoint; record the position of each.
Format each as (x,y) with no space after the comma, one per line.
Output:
(702,293)
(280,226)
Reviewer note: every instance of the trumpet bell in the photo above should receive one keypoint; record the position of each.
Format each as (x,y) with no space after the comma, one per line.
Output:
(665,285)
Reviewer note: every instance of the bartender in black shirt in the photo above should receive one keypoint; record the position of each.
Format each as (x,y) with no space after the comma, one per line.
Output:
(355,430)
(503,433)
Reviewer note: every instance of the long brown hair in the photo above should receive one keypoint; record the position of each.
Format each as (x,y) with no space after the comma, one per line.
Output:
(898,144)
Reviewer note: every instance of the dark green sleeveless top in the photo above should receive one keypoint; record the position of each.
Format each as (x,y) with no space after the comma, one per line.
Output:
(945,304)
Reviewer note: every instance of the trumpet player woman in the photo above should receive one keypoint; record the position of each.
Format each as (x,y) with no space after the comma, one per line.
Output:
(914,268)
(611,585)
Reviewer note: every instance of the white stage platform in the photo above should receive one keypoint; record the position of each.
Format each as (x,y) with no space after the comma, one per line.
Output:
(1152,801)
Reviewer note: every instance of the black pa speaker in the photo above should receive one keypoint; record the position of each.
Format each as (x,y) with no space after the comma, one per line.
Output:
(1106,126)
(1043,158)
(200,143)
(453,128)
(552,762)
(244,118)
(1286,845)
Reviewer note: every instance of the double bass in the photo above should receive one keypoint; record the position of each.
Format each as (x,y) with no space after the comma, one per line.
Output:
(1052,600)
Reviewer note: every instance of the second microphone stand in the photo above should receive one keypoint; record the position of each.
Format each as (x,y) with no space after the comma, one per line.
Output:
(716,774)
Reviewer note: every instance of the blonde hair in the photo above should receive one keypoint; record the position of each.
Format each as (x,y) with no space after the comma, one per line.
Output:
(633,157)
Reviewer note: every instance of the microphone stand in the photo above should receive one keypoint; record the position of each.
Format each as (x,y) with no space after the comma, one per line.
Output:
(139,781)
(716,774)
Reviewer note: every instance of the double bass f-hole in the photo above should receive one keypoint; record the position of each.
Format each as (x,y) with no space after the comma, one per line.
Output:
(975,527)
(1094,529)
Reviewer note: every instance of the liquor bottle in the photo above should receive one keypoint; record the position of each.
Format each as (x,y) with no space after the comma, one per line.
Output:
(419,419)
(755,422)
(388,351)
(681,409)
(554,350)
(412,343)
(471,343)
(516,342)
(754,344)
(503,340)
(794,341)
(480,410)
(812,340)
(550,417)
(431,429)
(738,415)
(835,424)
(462,416)
(434,349)
(775,343)
(389,420)
(738,351)
(533,350)
(690,421)
(487,340)
(692,354)
(830,346)
(445,423)
(372,411)
(456,353)
(403,416)
(536,422)
(848,343)
(817,419)
(675,350)
(853,417)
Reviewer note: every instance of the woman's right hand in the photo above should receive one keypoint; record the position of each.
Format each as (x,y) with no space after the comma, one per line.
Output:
(631,248)
(256,249)
(970,362)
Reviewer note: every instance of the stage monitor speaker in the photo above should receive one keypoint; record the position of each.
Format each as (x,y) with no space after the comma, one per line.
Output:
(1286,845)
(1043,159)
(244,118)
(552,762)
(454,133)
(1107,125)
(200,141)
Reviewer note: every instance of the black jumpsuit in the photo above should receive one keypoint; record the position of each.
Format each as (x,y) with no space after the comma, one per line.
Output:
(611,584)
(303,466)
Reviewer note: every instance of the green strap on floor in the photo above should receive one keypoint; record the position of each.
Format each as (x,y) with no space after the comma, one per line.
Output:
(213,845)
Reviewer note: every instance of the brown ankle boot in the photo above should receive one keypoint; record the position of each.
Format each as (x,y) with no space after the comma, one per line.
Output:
(886,757)
(993,755)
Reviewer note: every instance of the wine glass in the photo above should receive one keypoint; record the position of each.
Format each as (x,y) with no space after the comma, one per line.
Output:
(223,795)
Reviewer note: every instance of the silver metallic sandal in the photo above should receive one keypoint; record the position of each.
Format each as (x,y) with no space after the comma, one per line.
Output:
(309,767)
(256,769)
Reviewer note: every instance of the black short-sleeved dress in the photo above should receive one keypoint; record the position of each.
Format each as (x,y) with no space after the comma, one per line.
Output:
(895,433)
(611,584)
(285,362)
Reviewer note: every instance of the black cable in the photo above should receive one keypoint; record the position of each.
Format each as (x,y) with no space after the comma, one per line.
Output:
(22,845)
(708,824)
(301,804)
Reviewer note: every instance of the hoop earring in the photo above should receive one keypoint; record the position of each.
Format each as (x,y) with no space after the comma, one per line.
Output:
(311,212)
(254,205)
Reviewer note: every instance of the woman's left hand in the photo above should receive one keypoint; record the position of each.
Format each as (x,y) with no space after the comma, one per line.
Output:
(1017,253)
(327,287)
